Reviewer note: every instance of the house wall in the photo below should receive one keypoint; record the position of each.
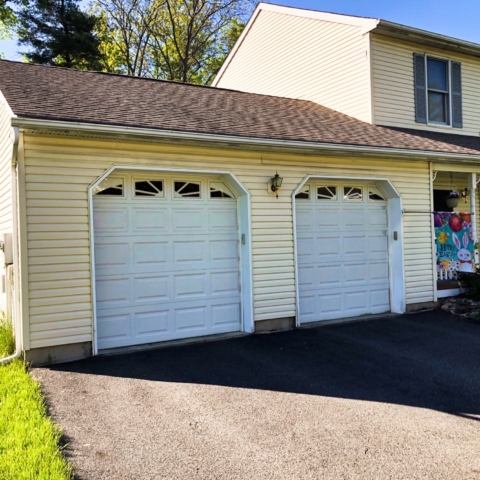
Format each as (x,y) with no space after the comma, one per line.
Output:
(6,149)
(304,58)
(393,92)
(59,171)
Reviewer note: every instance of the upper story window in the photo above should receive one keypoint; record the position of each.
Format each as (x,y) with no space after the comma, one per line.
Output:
(438,91)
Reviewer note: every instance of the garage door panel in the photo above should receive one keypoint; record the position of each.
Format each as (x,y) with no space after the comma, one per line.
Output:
(191,318)
(378,245)
(329,275)
(221,250)
(377,219)
(380,298)
(112,255)
(150,219)
(190,286)
(114,329)
(165,269)
(224,283)
(327,247)
(379,271)
(152,289)
(306,276)
(111,220)
(330,303)
(355,273)
(330,218)
(342,258)
(304,219)
(113,292)
(189,251)
(225,316)
(354,245)
(192,219)
(148,324)
(151,253)
(354,218)
(222,219)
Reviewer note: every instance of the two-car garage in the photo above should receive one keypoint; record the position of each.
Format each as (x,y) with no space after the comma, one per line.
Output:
(173,256)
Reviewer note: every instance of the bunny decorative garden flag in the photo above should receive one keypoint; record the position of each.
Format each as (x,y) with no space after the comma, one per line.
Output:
(454,238)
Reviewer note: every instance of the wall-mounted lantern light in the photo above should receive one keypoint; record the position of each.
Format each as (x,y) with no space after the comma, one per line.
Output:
(276,183)
(465,194)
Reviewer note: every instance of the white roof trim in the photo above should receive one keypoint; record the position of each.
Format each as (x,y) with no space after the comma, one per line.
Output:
(366,24)
(231,140)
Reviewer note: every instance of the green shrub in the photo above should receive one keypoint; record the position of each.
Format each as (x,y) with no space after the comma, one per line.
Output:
(470,281)
(7,339)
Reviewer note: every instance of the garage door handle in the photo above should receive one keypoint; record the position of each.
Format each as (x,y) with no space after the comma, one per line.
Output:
(243,239)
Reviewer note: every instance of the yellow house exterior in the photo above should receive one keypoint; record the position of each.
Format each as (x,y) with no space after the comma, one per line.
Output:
(55,243)
(86,173)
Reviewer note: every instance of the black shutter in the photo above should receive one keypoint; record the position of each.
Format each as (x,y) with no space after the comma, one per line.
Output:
(457,116)
(420,88)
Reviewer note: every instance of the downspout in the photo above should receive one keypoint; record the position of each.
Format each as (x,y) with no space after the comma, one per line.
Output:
(16,282)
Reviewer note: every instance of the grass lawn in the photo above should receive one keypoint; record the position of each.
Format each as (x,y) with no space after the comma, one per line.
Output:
(28,439)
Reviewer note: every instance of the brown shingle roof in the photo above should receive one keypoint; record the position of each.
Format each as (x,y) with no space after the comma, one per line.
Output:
(51,93)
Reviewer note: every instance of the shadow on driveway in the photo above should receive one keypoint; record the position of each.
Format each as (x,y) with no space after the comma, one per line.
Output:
(429,360)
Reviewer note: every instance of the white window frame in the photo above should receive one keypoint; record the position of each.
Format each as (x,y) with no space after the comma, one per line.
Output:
(449,92)
(201,184)
(147,179)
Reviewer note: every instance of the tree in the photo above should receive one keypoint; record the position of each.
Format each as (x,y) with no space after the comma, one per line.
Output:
(179,40)
(8,21)
(59,33)
(125,31)
(194,37)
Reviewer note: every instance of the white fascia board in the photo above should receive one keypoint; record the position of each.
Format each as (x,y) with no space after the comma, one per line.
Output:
(317,15)
(420,36)
(131,133)
(366,25)
(4,101)
(237,45)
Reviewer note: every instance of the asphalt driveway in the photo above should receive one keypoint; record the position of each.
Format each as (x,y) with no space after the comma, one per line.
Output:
(396,398)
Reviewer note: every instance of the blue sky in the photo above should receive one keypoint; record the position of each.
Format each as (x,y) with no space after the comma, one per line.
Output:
(459,18)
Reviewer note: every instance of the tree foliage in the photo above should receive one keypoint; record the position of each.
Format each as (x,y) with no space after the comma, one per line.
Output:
(59,33)
(179,40)
(8,21)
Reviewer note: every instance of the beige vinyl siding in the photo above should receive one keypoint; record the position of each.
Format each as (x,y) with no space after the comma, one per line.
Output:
(59,171)
(6,149)
(393,92)
(297,57)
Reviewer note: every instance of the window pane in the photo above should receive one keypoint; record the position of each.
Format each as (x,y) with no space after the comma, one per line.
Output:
(304,193)
(327,193)
(352,193)
(437,74)
(110,187)
(375,195)
(187,189)
(220,190)
(437,107)
(149,188)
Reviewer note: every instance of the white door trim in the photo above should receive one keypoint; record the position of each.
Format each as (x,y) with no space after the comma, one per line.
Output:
(395,247)
(244,222)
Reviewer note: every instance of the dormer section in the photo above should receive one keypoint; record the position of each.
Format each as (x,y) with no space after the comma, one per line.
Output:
(420,86)
(306,55)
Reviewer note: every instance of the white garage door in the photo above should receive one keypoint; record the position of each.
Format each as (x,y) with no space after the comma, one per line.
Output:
(342,251)
(166,259)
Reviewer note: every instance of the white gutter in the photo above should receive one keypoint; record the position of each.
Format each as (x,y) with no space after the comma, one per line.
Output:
(443,41)
(95,128)
(16,317)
